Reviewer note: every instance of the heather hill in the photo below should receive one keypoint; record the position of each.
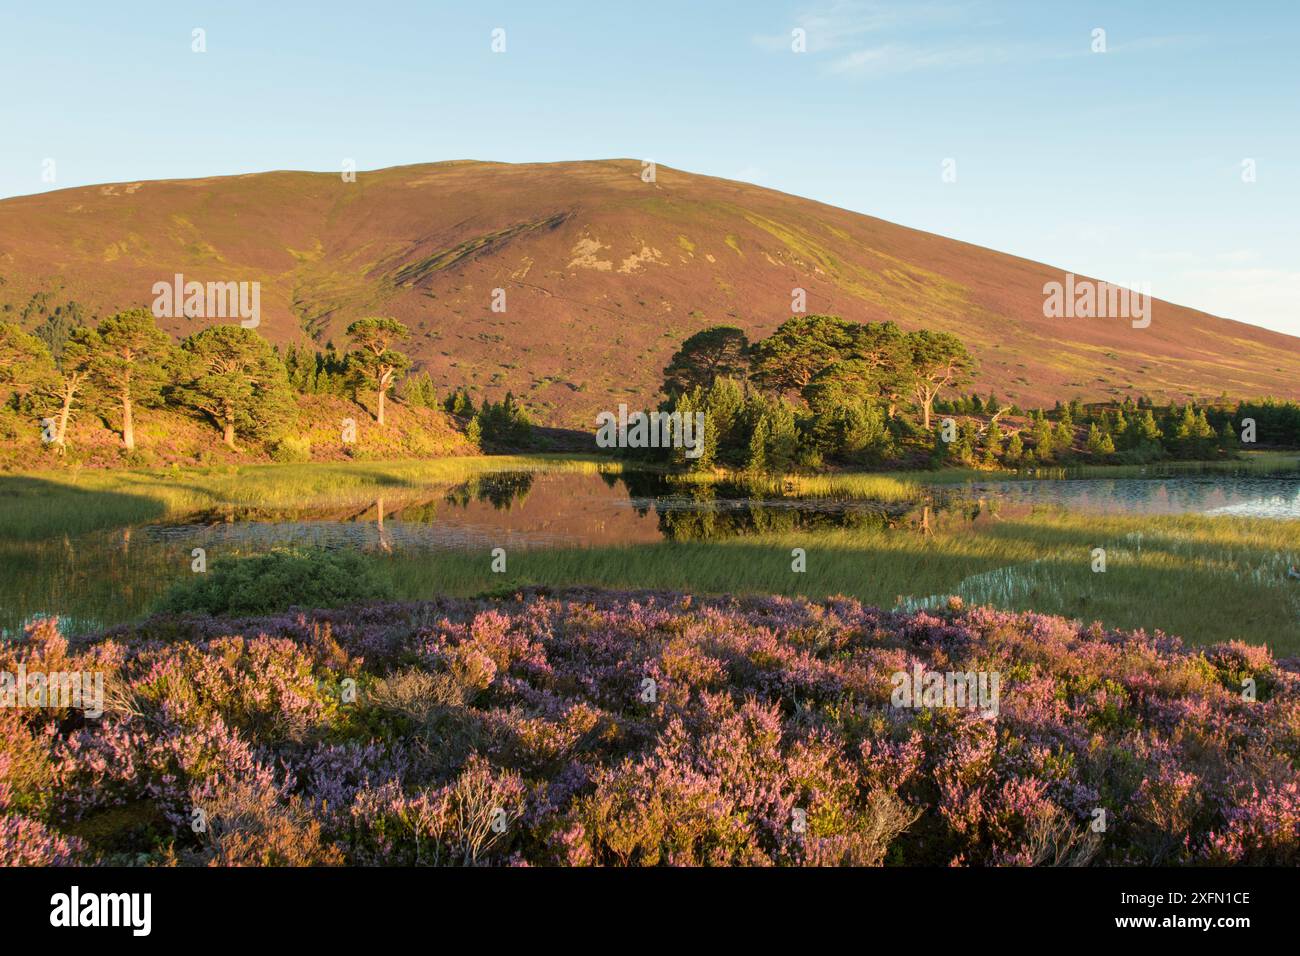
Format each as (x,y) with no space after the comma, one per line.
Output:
(604,275)
(648,728)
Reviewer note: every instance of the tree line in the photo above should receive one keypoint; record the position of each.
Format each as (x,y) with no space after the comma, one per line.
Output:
(819,388)
(228,374)
(823,389)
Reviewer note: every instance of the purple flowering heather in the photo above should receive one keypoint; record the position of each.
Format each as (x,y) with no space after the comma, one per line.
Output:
(597,727)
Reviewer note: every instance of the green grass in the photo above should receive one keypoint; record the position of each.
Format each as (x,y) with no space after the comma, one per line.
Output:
(1249,463)
(1205,579)
(910,485)
(877,486)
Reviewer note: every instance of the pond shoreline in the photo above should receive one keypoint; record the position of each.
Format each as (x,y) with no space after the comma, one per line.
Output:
(41,503)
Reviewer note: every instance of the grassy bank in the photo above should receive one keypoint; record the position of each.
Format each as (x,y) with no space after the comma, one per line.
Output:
(166,437)
(907,485)
(894,486)
(1248,463)
(48,504)
(1205,579)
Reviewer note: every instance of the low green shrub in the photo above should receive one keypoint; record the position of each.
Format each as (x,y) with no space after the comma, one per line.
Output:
(291,449)
(271,582)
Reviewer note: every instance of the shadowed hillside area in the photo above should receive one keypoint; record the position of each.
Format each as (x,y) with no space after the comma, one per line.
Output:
(604,275)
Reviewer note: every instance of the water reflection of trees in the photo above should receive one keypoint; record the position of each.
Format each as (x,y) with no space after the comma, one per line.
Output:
(757,517)
(690,512)
(502,490)
(694,512)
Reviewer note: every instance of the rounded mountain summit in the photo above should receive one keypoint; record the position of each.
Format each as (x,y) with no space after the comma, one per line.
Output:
(604,274)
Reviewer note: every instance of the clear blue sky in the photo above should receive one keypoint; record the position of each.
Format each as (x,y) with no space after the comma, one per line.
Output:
(1125,164)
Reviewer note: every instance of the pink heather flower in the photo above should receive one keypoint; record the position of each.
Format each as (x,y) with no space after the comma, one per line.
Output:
(769,737)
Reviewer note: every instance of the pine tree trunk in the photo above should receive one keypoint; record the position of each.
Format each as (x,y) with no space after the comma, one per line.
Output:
(60,438)
(228,433)
(128,422)
(380,416)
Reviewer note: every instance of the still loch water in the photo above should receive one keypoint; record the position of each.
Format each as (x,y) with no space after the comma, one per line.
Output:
(111,575)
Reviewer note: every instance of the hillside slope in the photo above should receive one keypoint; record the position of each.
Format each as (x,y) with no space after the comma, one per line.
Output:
(604,275)
(169,436)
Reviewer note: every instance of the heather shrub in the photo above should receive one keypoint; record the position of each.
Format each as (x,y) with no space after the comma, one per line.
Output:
(1051,838)
(463,823)
(276,580)
(612,728)
(27,842)
(263,686)
(25,769)
(419,695)
(434,706)
(413,694)
(1236,662)
(880,822)
(245,824)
